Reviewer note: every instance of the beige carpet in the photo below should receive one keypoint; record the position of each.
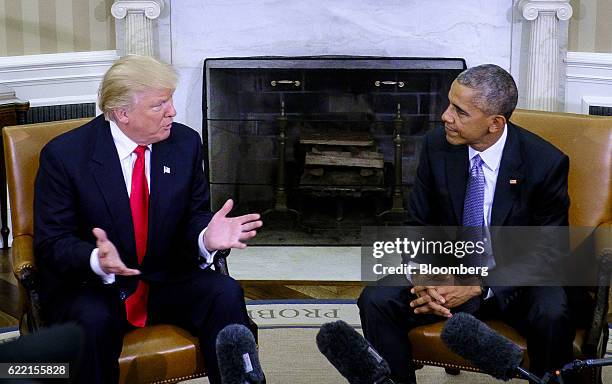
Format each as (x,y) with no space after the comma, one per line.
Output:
(290,356)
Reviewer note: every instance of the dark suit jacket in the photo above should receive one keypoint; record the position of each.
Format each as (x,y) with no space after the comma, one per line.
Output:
(80,186)
(538,198)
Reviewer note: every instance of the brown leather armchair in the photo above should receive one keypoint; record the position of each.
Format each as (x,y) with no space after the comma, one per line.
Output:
(154,354)
(587,140)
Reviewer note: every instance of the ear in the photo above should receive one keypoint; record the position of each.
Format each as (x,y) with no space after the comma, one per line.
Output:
(121,115)
(498,123)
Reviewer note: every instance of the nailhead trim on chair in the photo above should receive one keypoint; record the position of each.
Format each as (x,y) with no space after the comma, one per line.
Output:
(25,266)
(452,366)
(446,365)
(177,379)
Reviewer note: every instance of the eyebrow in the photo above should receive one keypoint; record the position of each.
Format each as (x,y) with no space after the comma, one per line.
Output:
(460,109)
(158,101)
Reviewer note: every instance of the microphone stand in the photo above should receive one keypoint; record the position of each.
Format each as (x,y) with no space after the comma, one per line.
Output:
(578,365)
(529,376)
(557,376)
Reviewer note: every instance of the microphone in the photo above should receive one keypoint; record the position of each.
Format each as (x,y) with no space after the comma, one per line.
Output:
(486,349)
(352,355)
(237,356)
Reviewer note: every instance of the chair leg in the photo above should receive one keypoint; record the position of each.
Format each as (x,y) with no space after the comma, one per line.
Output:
(452,371)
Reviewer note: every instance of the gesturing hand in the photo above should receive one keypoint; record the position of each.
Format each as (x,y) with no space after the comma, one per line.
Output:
(110,261)
(229,232)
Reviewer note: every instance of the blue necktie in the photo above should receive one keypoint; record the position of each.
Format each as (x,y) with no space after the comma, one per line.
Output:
(473,205)
(473,214)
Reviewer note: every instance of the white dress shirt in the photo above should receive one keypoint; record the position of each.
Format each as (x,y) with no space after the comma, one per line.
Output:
(125,149)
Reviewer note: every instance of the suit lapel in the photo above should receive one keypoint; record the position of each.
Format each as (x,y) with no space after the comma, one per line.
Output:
(509,178)
(162,174)
(108,175)
(456,177)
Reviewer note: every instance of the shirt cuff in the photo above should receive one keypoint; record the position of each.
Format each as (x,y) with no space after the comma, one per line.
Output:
(94,262)
(412,266)
(207,257)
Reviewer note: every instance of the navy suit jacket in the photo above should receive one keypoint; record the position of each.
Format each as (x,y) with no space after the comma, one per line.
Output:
(538,197)
(80,186)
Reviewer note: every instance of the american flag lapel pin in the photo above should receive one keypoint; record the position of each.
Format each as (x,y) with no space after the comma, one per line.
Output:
(166,169)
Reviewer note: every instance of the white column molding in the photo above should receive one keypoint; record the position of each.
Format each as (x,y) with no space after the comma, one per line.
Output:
(543,68)
(139,17)
(530,9)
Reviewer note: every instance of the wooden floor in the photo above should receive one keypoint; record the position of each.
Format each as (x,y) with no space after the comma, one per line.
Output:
(270,289)
(9,293)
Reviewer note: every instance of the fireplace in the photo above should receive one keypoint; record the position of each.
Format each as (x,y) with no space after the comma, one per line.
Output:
(321,146)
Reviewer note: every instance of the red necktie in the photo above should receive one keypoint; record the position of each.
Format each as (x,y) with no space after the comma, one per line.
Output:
(136,304)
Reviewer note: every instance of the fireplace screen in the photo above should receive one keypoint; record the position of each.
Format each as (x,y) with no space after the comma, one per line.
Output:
(321,146)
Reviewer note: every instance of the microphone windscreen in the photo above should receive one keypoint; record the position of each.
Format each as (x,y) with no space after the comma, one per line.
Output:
(237,356)
(486,349)
(351,354)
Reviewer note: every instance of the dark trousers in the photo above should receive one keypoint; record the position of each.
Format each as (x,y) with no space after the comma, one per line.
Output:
(203,304)
(540,314)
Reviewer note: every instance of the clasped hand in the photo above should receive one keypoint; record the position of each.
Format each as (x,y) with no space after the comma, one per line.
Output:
(439,299)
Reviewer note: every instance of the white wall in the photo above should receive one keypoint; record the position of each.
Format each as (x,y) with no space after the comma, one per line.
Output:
(589,81)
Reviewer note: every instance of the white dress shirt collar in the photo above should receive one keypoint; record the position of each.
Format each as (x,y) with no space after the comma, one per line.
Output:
(491,156)
(125,145)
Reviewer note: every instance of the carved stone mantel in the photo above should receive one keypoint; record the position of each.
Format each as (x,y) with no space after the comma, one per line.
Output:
(543,70)
(140,16)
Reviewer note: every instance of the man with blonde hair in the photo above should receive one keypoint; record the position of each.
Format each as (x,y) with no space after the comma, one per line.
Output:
(123,231)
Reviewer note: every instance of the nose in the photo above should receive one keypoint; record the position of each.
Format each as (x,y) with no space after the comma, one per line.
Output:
(446,115)
(170,110)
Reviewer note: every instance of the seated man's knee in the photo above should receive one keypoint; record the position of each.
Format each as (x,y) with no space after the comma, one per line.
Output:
(101,324)
(373,297)
(545,318)
(230,290)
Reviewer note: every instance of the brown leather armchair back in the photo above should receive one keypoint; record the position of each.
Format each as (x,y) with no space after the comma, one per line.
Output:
(587,140)
(22,146)
(154,354)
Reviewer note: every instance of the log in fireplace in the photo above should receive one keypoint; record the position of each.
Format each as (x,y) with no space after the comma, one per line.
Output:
(320,145)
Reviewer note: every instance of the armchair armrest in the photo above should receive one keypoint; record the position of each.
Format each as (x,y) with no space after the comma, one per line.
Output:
(22,255)
(220,261)
(22,260)
(603,238)
(603,255)
(220,264)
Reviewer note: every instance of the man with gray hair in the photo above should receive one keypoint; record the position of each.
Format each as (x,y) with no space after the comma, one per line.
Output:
(480,170)
(123,232)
